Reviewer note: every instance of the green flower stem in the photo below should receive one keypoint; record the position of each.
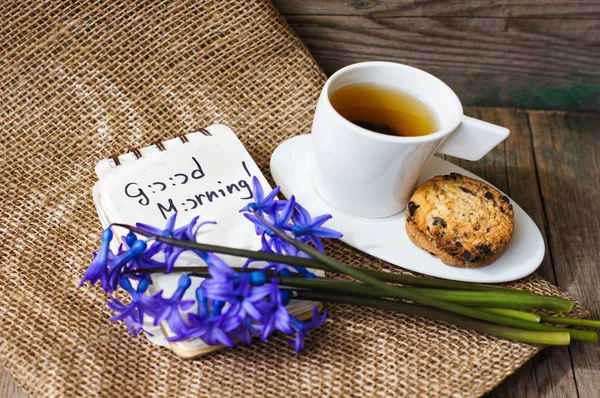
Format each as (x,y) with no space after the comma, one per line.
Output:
(311,263)
(528,316)
(500,300)
(415,296)
(326,286)
(525,336)
(590,323)
(438,283)
(466,298)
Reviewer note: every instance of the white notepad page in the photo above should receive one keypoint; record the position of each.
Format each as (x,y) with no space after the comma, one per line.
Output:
(209,176)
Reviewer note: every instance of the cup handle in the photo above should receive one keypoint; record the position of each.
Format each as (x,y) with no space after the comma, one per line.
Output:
(473,138)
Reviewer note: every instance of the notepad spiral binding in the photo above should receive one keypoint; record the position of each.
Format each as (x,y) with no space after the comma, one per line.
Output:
(158,144)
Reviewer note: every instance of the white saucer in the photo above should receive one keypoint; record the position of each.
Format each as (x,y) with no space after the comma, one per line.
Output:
(386,238)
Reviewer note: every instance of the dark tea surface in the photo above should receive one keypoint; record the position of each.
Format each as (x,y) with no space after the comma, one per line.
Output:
(384,109)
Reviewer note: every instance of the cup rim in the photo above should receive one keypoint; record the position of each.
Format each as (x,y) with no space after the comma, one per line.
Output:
(384,137)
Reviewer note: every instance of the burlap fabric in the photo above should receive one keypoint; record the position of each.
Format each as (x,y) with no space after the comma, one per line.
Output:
(81,81)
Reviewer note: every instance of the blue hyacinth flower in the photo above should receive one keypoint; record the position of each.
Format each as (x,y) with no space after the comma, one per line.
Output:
(121,261)
(244,332)
(211,329)
(302,328)
(261,202)
(142,261)
(232,306)
(185,232)
(275,315)
(242,298)
(134,312)
(98,268)
(168,308)
(310,229)
(279,216)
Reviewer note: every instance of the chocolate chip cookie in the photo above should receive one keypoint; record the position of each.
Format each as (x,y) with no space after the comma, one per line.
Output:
(465,222)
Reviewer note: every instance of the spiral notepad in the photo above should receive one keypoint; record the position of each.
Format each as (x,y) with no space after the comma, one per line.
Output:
(207,174)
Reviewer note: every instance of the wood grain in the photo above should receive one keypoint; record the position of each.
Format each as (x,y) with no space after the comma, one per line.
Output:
(559,9)
(8,386)
(567,157)
(511,167)
(550,165)
(536,55)
(551,369)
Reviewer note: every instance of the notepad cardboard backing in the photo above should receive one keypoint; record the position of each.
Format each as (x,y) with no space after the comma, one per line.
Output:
(81,81)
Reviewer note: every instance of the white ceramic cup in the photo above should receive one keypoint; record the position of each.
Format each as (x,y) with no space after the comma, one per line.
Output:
(373,175)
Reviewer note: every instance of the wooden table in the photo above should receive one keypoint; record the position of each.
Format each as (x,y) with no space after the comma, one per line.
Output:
(505,53)
(550,165)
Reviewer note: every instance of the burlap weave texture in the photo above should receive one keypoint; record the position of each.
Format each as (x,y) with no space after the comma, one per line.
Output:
(80,81)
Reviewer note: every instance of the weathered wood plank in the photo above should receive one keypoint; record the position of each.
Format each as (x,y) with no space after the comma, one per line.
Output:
(494,168)
(567,154)
(530,56)
(553,370)
(8,386)
(522,384)
(560,9)
(511,168)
